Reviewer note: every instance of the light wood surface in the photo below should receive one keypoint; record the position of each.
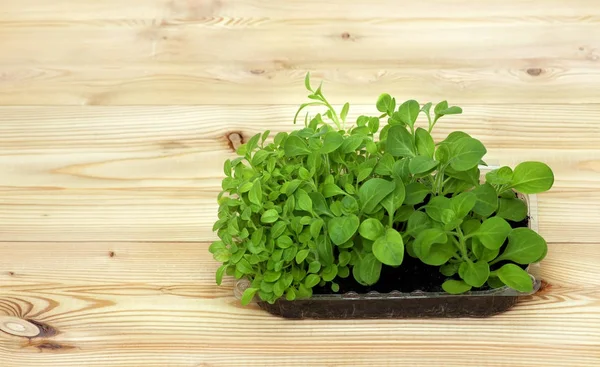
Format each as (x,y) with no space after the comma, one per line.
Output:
(116,117)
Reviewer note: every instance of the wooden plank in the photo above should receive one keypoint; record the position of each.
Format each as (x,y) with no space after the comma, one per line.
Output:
(161,266)
(248,61)
(171,214)
(96,314)
(125,147)
(281,82)
(137,173)
(580,10)
(50,129)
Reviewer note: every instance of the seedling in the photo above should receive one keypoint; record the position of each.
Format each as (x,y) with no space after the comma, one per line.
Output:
(329,201)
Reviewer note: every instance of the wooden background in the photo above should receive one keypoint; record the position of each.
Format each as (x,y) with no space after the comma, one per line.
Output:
(116,117)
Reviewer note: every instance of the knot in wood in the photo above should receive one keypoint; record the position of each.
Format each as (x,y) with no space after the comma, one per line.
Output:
(235,139)
(534,71)
(18,327)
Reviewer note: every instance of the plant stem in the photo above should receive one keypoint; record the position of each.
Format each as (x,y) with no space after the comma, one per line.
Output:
(463,244)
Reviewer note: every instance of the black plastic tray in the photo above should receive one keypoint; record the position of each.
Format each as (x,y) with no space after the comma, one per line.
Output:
(391,308)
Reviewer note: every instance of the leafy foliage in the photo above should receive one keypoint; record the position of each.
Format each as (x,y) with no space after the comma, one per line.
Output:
(327,201)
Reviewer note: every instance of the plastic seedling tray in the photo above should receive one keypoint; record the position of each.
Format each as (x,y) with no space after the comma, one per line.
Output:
(416,304)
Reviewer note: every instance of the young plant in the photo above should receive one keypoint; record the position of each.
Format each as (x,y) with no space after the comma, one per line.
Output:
(326,201)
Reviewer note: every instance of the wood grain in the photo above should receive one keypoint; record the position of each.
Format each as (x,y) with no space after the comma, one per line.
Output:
(577,10)
(152,174)
(116,117)
(207,60)
(125,299)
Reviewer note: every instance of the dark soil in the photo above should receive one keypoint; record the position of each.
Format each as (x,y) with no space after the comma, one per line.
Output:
(410,276)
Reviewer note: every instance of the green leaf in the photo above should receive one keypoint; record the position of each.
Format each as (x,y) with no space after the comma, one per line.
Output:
(255,195)
(341,229)
(307,82)
(436,207)
(252,143)
(303,173)
(454,110)
(315,227)
(439,254)
(371,229)
(311,280)
(449,269)
(314,267)
(495,282)
(399,142)
(219,274)
(344,258)
(415,193)
(487,200)
(474,274)
(373,124)
(443,105)
(455,286)
(331,141)
(403,213)
(389,248)
(481,252)
(303,292)
(386,104)
(369,269)
(409,111)
(244,266)
(248,295)
(362,120)
(279,288)
(271,276)
(400,169)
(426,108)
(278,229)
(424,143)
(343,271)
(532,178)
(442,154)
(500,176)
(269,216)
(330,190)
(372,192)
(463,203)
(349,205)
(394,199)
(512,209)
(325,250)
(344,112)
(291,186)
(335,287)
(371,147)
(525,246)
(301,256)
(493,232)
(329,273)
(472,176)
(295,146)
(421,164)
(246,187)
(417,222)
(303,201)
(284,242)
(351,143)
(466,153)
(425,240)
(385,165)
(515,277)
(320,206)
